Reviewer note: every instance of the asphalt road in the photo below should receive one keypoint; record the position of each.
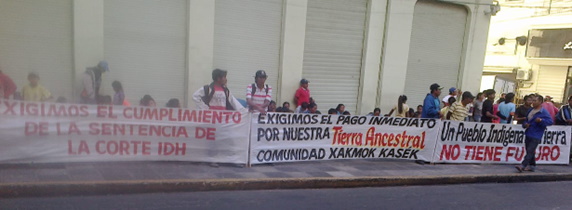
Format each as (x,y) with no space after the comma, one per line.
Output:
(539,195)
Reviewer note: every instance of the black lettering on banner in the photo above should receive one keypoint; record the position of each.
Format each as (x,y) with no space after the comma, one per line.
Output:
(403,122)
(290,155)
(554,137)
(305,133)
(289,119)
(342,153)
(505,136)
(398,153)
(351,120)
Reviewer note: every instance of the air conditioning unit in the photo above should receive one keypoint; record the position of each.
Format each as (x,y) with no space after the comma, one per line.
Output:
(523,74)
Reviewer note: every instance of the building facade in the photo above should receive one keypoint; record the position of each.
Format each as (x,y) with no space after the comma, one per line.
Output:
(361,53)
(530,48)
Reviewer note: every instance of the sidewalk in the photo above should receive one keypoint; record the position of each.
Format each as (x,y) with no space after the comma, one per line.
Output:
(58,179)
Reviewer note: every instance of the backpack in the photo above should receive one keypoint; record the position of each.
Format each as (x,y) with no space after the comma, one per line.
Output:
(254,89)
(209,95)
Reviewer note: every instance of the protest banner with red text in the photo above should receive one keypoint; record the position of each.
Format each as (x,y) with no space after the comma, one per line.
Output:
(471,142)
(285,137)
(50,132)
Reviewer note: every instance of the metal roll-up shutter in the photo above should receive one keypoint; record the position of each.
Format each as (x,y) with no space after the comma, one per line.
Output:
(435,50)
(333,51)
(247,38)
(145,46)
(551,81)
(36,36)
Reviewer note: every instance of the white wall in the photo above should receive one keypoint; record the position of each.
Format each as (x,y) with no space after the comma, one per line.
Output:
(200,45)
(385,57)
(397,41)
(87,40)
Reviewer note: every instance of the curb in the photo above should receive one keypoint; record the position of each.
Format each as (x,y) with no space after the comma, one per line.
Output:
(39,189)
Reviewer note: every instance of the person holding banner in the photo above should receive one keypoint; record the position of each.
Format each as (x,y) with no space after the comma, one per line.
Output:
(259,94)
(460,109)
(431,103)
(216,96)
(488,110)
(535,124)
(506,109)
(522,110)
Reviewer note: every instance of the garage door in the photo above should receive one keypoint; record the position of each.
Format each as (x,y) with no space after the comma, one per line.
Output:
(145,45)
(36,36)
(436,49)
(247,38)
(333,51)
(551,80)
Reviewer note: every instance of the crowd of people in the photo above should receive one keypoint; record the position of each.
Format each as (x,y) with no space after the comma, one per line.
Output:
(457,105)
(535,113)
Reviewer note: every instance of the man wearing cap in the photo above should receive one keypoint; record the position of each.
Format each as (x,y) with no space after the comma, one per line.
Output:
(92,82)
(431,104)
(302,95)
(460,109)
(216,96)
(258,94)
(453,92)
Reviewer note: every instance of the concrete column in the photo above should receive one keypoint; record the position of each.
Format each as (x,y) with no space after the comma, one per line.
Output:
(475,48)
(200,45)
(292,54)
(87,39)
(399,25)
(375,25)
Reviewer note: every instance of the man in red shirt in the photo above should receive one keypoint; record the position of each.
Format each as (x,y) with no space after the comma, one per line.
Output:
(8,86)
(302,94)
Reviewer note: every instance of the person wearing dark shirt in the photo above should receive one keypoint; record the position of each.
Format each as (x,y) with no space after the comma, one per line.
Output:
(522,110)
(488,115)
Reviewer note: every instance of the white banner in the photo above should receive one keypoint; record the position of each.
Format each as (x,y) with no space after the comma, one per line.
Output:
(50,132)
(284,137)
(470,142)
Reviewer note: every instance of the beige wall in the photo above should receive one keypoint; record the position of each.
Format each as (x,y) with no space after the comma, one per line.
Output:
(385,54)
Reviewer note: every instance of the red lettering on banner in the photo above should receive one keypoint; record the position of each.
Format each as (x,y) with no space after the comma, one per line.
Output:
(111,129)
(548,153)
(83,148)
(122,147)
(167,148)
(33,128)
(183,115)
(72,129)
(10,108)
(342,138)
(401,140)
(451,152)
(105,111)
(515,152)
(482,153)
(41,109)
(202,133)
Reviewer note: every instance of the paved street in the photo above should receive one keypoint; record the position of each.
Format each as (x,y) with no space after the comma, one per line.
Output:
(540,195)
(149,170)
